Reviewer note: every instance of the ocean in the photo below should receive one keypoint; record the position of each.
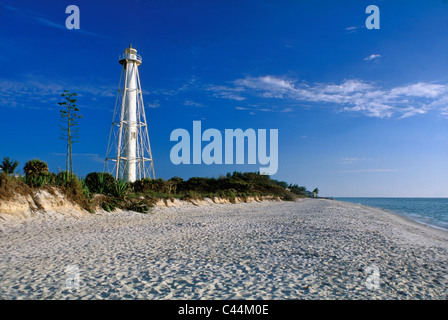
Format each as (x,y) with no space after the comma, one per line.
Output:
(429,211)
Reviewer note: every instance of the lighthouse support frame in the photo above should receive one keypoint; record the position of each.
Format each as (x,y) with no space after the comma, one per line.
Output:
(128,155)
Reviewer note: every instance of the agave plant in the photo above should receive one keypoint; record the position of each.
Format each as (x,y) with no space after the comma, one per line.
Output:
(110,205)
(40,180)
(62,178)
(121,187)
(84,187)
(101,186)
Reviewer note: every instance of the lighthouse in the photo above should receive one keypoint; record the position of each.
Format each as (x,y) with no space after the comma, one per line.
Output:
(128,154)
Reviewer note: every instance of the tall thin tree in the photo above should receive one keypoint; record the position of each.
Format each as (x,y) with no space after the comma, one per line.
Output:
(70,131)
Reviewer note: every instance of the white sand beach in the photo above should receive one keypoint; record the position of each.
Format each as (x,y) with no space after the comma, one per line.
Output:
(309,249)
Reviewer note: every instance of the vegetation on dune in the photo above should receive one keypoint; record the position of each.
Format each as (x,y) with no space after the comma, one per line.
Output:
(100,189)
(99,182)
(37,173)
(10,186)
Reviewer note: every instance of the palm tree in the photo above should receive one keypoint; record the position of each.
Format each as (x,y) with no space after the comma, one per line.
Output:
(315,191)
(8,166)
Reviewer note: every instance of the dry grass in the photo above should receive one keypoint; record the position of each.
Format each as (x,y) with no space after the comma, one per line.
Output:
(11,186)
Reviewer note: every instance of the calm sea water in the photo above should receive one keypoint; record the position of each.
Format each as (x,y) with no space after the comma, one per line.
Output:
(429,211)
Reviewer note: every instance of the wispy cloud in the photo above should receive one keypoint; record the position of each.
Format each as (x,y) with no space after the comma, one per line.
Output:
(369,170)
(353,160)
(95,157)
(349,96)
(373,56)
(232,93)
(35,92)
(255,108)
(353,29)
(153,105)
(193,104)
(49,23)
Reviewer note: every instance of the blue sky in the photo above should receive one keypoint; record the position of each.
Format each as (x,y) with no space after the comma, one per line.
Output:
(359,112)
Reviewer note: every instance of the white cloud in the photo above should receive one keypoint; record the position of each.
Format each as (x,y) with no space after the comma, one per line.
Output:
(444,112)
(411,111)
(350,95)
(95,157)
(421,89)
(349,86)
(265,109)
(35,92)
(226,92)
(193,104)
(369,170)
(353,160)
(353,29)
(372,57)
(273,87)
(153,105)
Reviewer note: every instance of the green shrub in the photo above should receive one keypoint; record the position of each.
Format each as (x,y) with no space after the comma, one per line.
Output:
(85,188)
(75,191)
(35,167)
(148,185)
(100,182)
(289,196)
(233,183)
(173,183)
(140,205)
(110,205)
(41,179)
(196,184)
(62,178)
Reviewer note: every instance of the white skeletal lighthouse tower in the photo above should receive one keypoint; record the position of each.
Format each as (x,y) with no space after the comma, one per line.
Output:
(129,152)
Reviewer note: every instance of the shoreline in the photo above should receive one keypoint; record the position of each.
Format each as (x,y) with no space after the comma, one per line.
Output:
(308,249)
(403,215)
(402,219)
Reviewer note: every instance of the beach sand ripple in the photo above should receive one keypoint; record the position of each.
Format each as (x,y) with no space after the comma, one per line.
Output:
(309,249)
